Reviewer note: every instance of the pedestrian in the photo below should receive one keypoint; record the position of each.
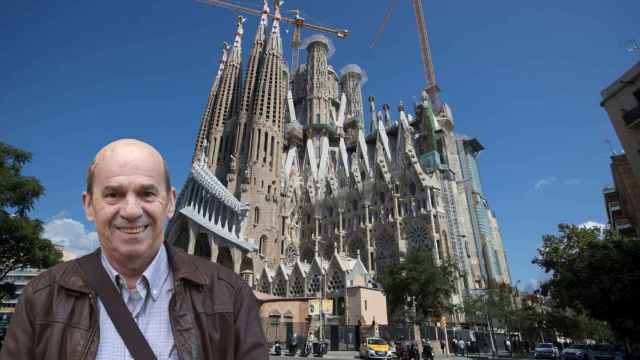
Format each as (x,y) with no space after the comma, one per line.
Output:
(461,345)
(507,345)
(454,345)
(442,345)
(135,296)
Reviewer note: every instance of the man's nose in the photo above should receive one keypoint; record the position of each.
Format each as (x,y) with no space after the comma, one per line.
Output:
(131,208)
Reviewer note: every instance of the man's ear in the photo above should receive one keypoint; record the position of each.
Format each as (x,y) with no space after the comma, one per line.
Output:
(171,204)
(89,212)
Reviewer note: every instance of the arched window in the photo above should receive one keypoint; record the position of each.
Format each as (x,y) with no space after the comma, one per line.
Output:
(256,215)
(412,188)
(261,245)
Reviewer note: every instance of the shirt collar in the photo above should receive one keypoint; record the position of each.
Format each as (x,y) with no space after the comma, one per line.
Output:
(155,274)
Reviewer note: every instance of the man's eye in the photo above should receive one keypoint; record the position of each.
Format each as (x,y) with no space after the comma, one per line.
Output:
(148,194)
(110,195)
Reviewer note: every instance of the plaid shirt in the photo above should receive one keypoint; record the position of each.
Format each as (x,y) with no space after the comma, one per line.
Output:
(149,305)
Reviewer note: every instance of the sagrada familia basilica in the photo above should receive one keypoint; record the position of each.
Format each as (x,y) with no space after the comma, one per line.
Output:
(288,186)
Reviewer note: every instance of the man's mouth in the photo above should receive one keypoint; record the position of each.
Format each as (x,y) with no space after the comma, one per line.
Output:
(132,230)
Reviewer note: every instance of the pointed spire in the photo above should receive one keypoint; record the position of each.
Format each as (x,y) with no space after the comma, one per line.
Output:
(275,42)
(223,61)
(387,115)
(276,17)
(203,132)
(372,112)
(235,55)
(264,18)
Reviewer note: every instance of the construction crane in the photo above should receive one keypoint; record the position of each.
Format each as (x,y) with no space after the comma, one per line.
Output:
(430,76)
(297,21)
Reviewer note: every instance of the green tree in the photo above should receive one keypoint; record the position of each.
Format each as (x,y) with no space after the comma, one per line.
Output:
(597,276)
(21,243)
(419,279)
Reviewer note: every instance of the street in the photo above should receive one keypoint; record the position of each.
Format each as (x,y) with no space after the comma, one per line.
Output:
(342,355)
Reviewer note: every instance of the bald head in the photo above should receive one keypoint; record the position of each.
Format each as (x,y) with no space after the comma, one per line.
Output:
(135,150)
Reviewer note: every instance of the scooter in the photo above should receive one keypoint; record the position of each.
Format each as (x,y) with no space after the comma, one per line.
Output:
(306,351)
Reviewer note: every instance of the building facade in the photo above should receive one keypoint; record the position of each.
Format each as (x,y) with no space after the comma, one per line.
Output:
(331,202)
(622,201)
(621,100)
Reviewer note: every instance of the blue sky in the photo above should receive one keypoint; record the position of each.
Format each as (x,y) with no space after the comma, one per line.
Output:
(523,77)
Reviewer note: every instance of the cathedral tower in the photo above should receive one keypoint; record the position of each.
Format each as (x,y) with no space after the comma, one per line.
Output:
(203,132)
(317,71)
(226,104)
(261,180)
(351,80)
(242,129)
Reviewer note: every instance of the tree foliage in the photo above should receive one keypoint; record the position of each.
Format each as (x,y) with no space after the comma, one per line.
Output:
(419,279)
(495,302)
(593,275)
(21,244)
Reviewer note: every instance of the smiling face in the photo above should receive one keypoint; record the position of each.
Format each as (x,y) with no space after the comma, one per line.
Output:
(129,203)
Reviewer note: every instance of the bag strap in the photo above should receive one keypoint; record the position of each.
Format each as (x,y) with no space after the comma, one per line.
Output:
(116,309)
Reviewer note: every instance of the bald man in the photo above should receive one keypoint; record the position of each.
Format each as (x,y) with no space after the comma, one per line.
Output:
(185,307)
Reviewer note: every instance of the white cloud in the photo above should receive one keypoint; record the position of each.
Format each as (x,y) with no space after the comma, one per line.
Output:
(594,224)
(591,224)
(531,285)
(71,234)
(544,182)
(573,181)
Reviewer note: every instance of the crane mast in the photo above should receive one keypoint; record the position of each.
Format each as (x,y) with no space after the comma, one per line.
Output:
(432,87)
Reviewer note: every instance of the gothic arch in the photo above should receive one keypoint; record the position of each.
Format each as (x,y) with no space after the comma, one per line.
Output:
(203,247)
(224,257)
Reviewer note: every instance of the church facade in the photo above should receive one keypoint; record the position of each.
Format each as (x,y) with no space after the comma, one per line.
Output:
(326,202)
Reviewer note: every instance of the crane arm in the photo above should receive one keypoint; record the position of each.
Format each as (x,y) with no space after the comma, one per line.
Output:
(340,33)
(232,6)
(387,16)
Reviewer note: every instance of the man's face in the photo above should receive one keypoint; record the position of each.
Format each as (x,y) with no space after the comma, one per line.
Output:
(130,201)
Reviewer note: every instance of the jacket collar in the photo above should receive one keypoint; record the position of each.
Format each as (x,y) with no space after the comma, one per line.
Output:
(182,266)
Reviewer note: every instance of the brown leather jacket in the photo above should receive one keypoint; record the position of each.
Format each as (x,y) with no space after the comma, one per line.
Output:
(213,314)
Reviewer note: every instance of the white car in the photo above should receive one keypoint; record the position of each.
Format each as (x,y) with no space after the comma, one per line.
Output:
(546,351)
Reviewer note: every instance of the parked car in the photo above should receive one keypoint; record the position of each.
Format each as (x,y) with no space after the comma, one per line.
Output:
(599,352)
(375,348)
(546,351)
(574,352)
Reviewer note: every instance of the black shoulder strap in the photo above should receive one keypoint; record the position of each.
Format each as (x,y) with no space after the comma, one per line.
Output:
(118,312)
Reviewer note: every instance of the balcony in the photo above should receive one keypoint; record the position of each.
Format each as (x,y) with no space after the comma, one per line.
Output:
(614,206)
(632,118)
(623,224)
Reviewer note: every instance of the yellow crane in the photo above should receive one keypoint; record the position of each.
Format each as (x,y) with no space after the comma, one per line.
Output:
(430,76)
(297,21)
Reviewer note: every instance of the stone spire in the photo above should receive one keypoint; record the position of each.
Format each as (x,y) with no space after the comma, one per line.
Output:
(227,98)
(261,179)
(242,130)
(203,132)
(317,100)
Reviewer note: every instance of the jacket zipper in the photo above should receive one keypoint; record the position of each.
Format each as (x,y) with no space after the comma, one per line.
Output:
(92,334)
